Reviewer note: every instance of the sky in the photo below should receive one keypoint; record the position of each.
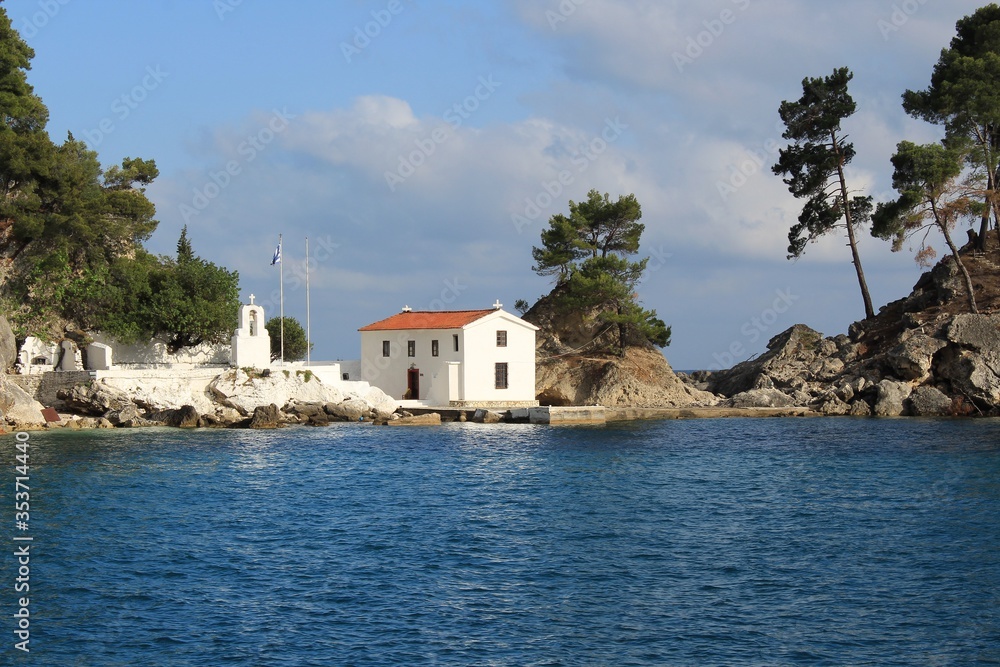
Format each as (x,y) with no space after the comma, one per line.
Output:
(422,146)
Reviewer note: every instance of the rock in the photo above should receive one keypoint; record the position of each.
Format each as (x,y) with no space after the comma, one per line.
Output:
(186,417)
(351,409)
(642,378)
(929,402)
(17,405)
(128,416)
(972,364)
(95,398)
(265,417)
(8,346)
(890,398)
(832,405)
(430,419)
(913,358)
(860,408)
(482,416)
(761,398)
(975,332)
(786,364)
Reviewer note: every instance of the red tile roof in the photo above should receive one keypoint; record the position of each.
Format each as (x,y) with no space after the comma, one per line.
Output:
(428,319)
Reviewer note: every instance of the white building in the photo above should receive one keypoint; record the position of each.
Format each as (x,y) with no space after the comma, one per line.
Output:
(251,342)
(465,358)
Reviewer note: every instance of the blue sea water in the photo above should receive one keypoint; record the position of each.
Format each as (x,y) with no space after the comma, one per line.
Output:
(705,542)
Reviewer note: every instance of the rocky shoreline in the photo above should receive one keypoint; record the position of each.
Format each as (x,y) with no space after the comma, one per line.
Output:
(922,356)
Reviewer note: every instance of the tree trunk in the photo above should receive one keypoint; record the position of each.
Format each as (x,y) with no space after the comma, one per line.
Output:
(984,226)
(958,260)
(845,198)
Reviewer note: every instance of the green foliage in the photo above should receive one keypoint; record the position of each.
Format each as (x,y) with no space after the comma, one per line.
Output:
(587,252)
(295,339)
(522,306)
(813,166)
(963,97)
(307,374)
(594,227)
(186,302)
(80,230)
(931,194)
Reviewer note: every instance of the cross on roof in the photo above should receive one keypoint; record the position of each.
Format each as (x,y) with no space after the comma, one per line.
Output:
(251,299)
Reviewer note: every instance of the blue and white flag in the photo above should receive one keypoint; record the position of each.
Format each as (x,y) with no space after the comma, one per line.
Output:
(277,255)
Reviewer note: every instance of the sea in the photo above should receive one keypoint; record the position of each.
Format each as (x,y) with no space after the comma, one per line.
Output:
(816,541)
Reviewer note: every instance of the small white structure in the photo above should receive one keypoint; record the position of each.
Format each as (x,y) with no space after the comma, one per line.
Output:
(99,357)
(465,358)
(37,356)
(251,342)
(72,358)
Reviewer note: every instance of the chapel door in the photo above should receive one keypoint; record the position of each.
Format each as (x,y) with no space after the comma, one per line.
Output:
(413,383)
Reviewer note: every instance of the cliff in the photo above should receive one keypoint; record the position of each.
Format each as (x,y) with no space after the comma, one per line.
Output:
(923,355)
(570,371)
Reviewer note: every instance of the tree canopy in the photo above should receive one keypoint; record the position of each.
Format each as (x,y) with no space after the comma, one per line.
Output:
(78,232)
(296,343)
(932,194)
(587,252)
(813,166)
(964,98)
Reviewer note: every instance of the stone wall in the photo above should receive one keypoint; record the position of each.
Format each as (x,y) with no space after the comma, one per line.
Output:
(43,387)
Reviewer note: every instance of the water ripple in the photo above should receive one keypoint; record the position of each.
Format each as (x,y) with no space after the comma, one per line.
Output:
(736,542)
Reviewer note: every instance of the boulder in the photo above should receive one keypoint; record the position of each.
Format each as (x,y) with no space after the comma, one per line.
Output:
(430,419)
(185,417)
(265,417)
(761,398)
(785,365)
(972,364)
(975,332)
(94,398)
(891,397)
(831,405)
(913,358)
(482,416)
(860,408)
(18,406)
(929,402)
(351,409)
(128,416)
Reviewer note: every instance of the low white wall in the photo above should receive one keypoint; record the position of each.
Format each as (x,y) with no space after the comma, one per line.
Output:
(155,353)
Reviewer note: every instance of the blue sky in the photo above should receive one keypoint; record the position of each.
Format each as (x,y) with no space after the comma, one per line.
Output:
(422,146)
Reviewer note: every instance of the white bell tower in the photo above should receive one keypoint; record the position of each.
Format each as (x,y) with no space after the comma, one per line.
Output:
(251,342)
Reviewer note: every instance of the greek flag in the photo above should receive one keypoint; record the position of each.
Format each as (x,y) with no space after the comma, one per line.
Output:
(277,255)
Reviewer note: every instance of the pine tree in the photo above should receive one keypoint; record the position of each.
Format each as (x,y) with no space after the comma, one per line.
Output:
(587,252)
(813,166)
(964,98)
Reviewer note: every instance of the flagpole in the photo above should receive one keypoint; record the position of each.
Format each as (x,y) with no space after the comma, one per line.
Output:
(308,345)
(281,291)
